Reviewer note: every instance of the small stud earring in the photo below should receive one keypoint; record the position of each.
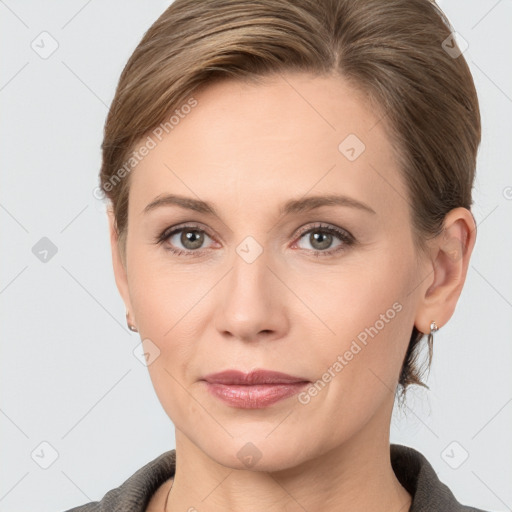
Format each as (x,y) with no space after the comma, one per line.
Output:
(130,326)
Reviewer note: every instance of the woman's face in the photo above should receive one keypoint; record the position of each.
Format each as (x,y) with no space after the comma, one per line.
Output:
(277,278)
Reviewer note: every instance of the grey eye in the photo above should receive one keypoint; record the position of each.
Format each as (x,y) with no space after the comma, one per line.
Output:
(319,239)
(190,239)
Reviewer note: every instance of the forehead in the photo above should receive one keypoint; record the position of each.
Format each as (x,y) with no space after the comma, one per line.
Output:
(245,143)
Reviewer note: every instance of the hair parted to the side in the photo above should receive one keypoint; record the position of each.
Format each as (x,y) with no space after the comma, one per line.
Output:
(389,50)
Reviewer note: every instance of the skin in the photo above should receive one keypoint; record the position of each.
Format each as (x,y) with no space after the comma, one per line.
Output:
(247,149)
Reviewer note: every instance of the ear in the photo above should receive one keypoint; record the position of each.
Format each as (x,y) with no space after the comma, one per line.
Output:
(119,265)
(450,254)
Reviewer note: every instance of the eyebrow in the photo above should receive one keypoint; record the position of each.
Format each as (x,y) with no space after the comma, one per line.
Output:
(290,207)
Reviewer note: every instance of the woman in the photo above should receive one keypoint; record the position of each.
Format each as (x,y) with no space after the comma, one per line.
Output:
(290,188)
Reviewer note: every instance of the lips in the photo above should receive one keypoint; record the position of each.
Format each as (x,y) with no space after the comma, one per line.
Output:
(236,377)
(254,390)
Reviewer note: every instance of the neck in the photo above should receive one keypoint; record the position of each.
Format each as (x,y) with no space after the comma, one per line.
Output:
(356,475)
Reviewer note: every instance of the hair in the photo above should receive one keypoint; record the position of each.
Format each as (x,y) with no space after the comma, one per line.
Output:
(395,52)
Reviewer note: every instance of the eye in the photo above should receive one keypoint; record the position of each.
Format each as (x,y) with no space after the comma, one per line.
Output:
(184,239)
(321,238)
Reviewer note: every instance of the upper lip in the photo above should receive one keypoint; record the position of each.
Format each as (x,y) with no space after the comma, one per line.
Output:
(255,377)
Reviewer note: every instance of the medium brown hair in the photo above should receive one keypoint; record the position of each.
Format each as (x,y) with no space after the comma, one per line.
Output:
(393,51)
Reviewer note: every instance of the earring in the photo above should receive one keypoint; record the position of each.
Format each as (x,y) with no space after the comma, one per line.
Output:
(433,329)
(130,326)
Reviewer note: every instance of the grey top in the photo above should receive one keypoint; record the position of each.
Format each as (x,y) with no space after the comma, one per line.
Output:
(412,469)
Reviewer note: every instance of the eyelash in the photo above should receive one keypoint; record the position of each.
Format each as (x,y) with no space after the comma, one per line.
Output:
(347,239)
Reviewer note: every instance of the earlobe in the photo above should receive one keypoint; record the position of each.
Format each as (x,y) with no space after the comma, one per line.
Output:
(451,252)
(119,265)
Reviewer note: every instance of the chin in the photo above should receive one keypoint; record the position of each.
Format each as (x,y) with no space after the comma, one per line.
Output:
(258,452)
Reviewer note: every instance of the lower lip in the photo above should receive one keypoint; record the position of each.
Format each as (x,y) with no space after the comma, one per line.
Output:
(256,396)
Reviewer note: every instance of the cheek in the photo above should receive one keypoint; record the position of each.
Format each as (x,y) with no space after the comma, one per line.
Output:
(368,313)
(357,372)
(365,290)
(169,313)
(174,339)
(161,293)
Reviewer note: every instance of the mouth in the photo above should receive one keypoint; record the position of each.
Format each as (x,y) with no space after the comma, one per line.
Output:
(254,390)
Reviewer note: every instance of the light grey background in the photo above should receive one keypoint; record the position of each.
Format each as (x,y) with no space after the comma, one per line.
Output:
(68,374)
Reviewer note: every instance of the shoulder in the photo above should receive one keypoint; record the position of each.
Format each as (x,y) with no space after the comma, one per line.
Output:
(419,478)
(134,494)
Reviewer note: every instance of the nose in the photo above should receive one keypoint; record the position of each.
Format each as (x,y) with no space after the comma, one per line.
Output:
(252,302)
